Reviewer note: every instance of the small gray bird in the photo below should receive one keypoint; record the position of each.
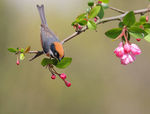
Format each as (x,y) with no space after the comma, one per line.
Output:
(50,43)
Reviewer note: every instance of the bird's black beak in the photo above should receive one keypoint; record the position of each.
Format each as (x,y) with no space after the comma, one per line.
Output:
(59,59)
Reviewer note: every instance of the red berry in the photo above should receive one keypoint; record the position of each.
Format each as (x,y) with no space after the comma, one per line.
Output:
(68,84)
(53,77)
(147,18)
(63,76)
(138,39)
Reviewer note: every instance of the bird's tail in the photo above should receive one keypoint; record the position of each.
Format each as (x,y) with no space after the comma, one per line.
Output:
(42,14)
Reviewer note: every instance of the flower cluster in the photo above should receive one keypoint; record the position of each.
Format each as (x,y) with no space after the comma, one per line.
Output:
(62,75)
(127,52)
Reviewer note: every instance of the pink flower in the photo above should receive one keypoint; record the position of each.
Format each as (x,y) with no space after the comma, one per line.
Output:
(119,51)
(131,58)
(135,49)
(127,47)
(63,76)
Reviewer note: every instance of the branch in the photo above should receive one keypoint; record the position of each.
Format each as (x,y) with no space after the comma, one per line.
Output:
(119,17)
(38,53)
(117,10)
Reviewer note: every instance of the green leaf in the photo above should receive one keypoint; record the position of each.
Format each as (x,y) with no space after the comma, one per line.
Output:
(21,50)
(104,1)
(12,50)
(91,3)
(47,61)
(121,25)
(147,30)
(137,32)
(81,19)
(143,19)
(146,25)
(91,25)
(94,12)
(65,62)
(101,13)
(147,38)
(105,6)
(22,57)
(113,33)
(129,19)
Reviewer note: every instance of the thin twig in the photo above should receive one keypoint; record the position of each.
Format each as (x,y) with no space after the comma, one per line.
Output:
(119,17)
(117,10)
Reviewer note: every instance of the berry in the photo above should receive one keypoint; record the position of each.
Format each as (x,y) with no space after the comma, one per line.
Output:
(63,76)
(53,77)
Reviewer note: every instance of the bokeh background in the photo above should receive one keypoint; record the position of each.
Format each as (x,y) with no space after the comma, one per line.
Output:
(100,84)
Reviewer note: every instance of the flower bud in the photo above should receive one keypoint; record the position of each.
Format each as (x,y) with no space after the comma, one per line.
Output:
(138,39)
(68,84)
(53,77)
(147,18)
(79,27)
(63,76)
(95,19)
(99,2)
(18,61)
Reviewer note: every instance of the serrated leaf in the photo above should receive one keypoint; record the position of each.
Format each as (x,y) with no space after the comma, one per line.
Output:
(143,19)
(137,32)
(113,33)
(12,50)
(147,38)
(129,19)
(94,12)
(91,25)
(101,13)
(22,57)
(65,62)
(27,49)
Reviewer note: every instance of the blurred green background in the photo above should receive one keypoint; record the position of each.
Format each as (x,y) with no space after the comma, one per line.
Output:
(100,84)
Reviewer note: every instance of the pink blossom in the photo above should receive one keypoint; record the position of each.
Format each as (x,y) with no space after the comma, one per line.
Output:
(135,49)
(127,47)
(119,51)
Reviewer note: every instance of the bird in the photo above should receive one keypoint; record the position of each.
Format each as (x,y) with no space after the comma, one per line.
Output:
(51,45)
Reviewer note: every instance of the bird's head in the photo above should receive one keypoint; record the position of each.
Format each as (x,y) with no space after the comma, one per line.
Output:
(57,50)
